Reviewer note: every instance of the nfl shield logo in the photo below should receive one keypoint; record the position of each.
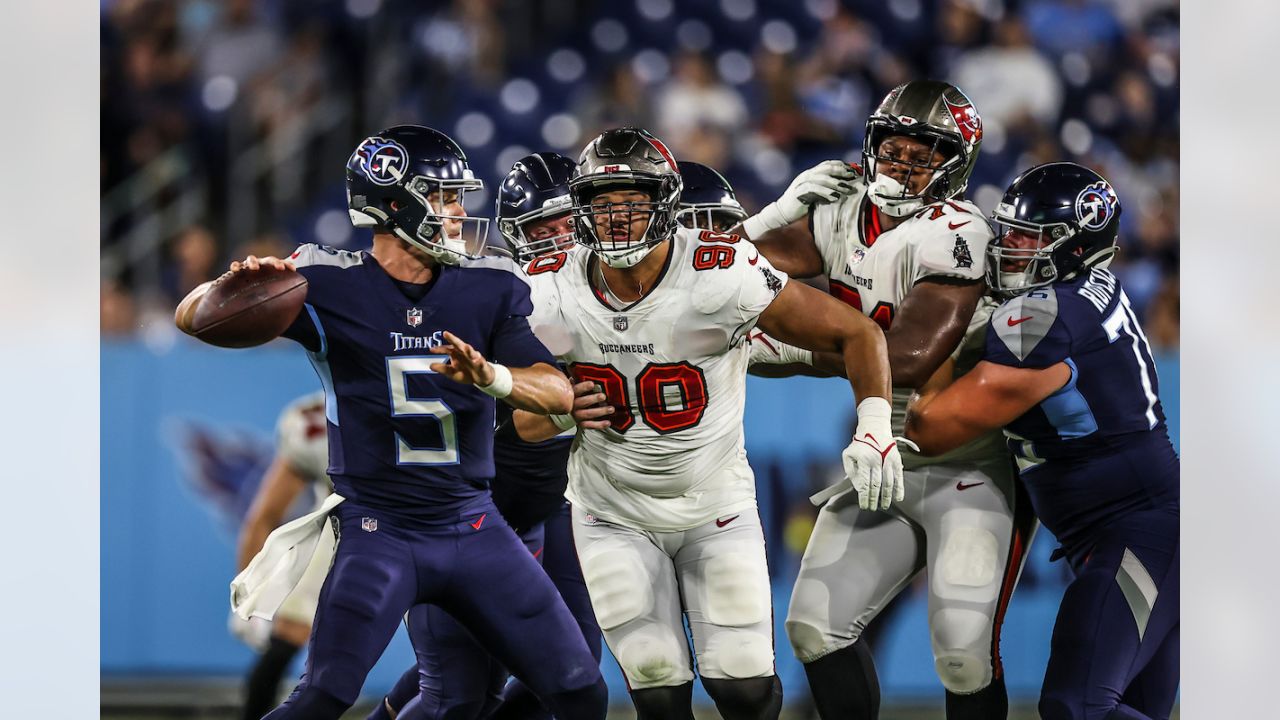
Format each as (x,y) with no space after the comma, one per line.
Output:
(369,524)
(413,316)
(620,323)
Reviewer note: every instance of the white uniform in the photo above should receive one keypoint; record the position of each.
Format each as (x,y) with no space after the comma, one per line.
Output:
(301,441)
(664,500)
(958,515)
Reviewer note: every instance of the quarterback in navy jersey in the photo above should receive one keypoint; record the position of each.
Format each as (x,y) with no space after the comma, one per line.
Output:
(400,337)
(1068,374)
(458,677)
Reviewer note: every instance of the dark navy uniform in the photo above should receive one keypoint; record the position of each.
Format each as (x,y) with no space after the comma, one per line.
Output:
(412,453)
(1103,477)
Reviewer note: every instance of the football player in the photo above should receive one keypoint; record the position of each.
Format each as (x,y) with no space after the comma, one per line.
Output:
(302,456)
(664,513)
(459,678)
(896,240)
(707,200)
(1067,372)
(400,338)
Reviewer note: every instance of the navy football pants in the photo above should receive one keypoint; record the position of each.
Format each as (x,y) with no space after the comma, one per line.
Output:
(459,678)
(1114,653)
(474,568)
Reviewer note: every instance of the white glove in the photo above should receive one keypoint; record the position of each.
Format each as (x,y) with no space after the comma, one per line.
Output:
(766,350)
(872,464)
(825,182)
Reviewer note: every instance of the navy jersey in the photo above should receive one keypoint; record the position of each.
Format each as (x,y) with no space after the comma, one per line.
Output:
(1097,448)
(401,437)
(530,478)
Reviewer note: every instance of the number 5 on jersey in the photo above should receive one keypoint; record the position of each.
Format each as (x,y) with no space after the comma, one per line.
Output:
(403,406)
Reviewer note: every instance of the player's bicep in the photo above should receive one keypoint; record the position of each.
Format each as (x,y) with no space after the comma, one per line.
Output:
(792,250)
(810,319)
(930,323)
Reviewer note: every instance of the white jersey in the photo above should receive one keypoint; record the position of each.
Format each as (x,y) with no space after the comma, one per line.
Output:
(674,366)
(873,270)
(301,439)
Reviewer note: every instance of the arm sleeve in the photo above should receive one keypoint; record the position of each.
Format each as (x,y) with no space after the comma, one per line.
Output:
(1028,332)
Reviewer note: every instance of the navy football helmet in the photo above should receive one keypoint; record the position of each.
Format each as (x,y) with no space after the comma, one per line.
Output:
(625,159)
(406,179)
(537,188)
(707,200)
(1056,221)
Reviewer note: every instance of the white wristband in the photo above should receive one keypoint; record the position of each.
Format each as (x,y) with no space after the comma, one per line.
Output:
(874,408)
(563,422)
(502,382)
(769,218)
(791,354)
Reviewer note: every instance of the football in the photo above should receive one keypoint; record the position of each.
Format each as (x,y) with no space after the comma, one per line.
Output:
(250,307)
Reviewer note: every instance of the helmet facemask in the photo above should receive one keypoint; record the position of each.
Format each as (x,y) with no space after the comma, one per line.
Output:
(894,197)
(717,217)
(1055,255)
(524,248)
(445,236)
(609,229)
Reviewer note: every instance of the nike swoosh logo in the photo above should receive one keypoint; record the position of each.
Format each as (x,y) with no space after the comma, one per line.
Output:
(953,226)
(753,260)
(726,521)
(1019,321)
(960,485)
(476,525)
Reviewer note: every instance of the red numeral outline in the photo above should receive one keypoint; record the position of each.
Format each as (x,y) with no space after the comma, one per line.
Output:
(882,313)
(547,263)
(614,388)
(713,256)
(692,384)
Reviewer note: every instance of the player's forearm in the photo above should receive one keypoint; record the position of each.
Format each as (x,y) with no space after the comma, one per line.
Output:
(790,249)
(866,362)
(252,538)
(540,389)
(532,427)
(936,431)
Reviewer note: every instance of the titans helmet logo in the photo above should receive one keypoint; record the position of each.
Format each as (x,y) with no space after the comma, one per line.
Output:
(383,161)
(1096,205)
(967,121)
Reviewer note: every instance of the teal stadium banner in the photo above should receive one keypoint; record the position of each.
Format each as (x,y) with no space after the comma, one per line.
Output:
(187,431)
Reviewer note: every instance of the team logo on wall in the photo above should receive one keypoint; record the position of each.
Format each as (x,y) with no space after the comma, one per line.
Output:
(1095,205)
(620,323)
(383,161)
(413,316)
(967,120)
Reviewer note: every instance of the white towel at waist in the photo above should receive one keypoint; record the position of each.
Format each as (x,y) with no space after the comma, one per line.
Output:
(276,570)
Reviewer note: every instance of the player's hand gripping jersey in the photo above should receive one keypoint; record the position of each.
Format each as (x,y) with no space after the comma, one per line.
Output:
(873,270)
(404,438)
(673,365)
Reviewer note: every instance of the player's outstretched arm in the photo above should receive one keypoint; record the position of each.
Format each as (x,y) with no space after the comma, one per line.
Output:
(280,486)
(803,316)
(781,229)
(590,411)
(928,326)
(539,388)
(986,398)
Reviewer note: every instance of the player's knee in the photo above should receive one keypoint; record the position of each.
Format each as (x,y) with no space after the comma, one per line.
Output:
(652,657)
(750,699)
(737,587)
(737,655)
(969,559)
(961,649)
(808,622)
(617,595)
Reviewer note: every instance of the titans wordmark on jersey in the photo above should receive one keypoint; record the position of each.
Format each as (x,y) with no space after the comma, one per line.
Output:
(401,437)
(673,364)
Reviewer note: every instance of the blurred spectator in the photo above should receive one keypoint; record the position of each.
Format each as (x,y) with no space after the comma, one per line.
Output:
(194,260)
(239,47)
(1161,321)
(1010,82)
(116,308)
(696,97)
(620,100)
(1062,26)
